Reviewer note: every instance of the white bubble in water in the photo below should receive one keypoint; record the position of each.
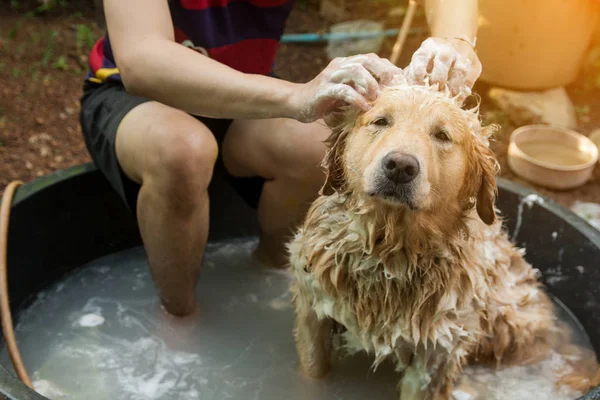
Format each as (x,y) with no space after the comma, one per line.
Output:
(462,395)
(91,320)
(48,389)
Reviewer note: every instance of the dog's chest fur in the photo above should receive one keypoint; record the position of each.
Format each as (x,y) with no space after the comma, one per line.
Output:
(395,297)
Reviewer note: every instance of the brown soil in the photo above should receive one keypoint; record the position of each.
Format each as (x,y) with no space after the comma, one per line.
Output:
(43,64)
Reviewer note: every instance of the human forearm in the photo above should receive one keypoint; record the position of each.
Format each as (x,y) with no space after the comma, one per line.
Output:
(452,18)
(182,78)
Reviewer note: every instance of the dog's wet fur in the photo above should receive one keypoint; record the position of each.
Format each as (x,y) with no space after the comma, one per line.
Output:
(409,255)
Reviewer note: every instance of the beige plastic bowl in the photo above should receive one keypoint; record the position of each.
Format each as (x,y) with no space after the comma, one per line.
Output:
(552,157)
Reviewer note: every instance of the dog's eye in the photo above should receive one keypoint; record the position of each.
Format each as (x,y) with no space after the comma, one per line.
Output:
(441,135)
(381,122)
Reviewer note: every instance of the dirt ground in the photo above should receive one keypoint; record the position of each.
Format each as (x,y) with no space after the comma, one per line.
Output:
(43,61)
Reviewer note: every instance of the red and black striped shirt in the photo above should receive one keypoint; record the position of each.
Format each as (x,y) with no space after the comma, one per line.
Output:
(243,34)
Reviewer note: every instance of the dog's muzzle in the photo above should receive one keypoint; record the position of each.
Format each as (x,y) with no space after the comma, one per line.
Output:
(395,178)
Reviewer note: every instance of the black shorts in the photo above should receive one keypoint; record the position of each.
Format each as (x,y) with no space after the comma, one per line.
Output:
(103,107)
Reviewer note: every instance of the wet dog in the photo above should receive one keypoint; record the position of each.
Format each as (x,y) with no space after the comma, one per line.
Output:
(404,249)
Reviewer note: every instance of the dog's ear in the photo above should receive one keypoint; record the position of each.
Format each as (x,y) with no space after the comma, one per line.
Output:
(332,162)
(486,193)
(341,124)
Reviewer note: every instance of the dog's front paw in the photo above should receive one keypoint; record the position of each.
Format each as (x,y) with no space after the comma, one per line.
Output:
(315,369)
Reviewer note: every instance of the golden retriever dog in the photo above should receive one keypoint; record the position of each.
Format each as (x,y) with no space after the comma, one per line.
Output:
(404,251)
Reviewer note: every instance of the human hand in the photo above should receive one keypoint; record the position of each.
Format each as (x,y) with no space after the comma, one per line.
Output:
(450,63)
(353,81)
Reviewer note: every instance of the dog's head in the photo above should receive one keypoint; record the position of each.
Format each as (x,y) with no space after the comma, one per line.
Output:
(417,149)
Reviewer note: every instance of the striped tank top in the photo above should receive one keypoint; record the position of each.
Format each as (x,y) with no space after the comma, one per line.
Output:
(242,34)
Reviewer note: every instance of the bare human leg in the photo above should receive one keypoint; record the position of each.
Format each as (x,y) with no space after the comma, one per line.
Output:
(172,155)
(288,154)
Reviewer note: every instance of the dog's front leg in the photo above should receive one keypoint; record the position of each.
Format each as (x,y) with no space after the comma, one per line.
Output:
(415,380)
(313,341)
(430,377)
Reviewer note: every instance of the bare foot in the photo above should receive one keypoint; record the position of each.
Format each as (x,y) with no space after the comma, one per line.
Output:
(172,329)
(181,319)
(180,309)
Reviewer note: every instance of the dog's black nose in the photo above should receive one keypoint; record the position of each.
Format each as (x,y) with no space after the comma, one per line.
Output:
(400,168)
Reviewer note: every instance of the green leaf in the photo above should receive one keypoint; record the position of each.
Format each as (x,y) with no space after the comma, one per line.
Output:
(15,29)
(49,48)
(60,63)
(84,35)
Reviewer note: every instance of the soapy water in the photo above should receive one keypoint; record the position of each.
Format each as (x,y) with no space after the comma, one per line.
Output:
(535,381)
(528,200)
(100,334)
(589,212)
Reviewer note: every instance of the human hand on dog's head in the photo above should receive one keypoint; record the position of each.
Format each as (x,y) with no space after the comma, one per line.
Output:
(451,63)
(348,81)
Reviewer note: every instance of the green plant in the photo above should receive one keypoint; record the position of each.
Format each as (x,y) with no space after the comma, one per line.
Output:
(60,63)
(42,8)
(51,4)
(84,36)
(12,34)
(49,48)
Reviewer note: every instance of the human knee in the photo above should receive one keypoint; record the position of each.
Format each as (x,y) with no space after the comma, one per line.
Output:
(185,156)
(305,165)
